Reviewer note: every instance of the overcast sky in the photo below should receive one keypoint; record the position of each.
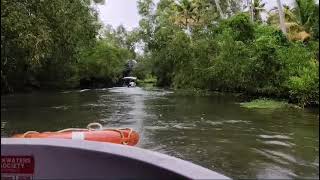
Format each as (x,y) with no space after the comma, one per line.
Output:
(117,12)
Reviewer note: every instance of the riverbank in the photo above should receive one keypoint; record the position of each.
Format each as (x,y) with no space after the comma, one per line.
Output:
(237,55)
(248,100)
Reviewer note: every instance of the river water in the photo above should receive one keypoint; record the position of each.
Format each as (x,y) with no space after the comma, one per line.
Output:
(212,131)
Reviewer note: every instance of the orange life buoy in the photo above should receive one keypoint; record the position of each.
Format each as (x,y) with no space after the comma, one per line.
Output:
(118,136)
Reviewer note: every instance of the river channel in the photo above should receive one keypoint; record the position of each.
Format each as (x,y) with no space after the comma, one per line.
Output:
(213,131)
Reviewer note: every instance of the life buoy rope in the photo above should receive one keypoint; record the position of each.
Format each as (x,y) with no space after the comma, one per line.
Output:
(29,132)
(94,124)
(71,129)
(89,128)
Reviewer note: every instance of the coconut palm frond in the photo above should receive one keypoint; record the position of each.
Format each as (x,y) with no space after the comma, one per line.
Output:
(301,36)
(299,20)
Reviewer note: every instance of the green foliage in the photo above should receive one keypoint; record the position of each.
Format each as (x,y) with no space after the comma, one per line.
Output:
(103,61)
(304,86)
(265,65)
(269,31)
(258,8)
(264,104)
(55,44)
(295,57)
(302,20)
(170,56)
(231,55)
(143,69)
(228,68)
(41,40)
(315,25)
(305,10)
(187,45)
(241,26)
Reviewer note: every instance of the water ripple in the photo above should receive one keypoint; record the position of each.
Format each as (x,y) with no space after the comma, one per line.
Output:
(60,107)
(279,143)
(275,137)
(271,171)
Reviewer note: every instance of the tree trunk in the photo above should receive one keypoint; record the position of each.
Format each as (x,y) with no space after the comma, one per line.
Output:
(281,16)
(251,4)
(217,2)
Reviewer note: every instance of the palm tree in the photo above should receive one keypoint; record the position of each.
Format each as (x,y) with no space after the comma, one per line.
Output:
(288,15)
(217,2)
(258,7)
(250,5)
(281,18)
(300,20)
(226,8)
(185,12)
(305,11)
(191,12)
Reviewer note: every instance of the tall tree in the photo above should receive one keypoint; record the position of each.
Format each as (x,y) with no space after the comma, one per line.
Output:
(258,7)
(190,13)
(185,12)
(281,18)
(217,2)
(250,5)
(301,20)
(42,39)
(306,13)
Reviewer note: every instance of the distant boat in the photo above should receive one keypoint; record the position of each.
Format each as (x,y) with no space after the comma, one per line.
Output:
(129,81)
(79,159)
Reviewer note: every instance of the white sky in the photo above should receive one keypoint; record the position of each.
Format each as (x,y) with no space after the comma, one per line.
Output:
(125,12)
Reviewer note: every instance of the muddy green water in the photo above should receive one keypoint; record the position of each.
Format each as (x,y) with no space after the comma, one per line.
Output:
(212,131)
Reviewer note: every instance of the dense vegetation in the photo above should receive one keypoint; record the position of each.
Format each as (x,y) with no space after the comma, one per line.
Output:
(190,46)
(56,44)
(197,44)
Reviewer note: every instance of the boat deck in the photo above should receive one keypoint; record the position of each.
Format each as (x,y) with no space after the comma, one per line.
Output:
(77,159)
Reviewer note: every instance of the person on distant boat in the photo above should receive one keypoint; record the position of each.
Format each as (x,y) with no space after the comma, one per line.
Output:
(132,84)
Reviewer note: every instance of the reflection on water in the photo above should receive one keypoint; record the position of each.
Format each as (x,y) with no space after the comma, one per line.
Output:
(212,131)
